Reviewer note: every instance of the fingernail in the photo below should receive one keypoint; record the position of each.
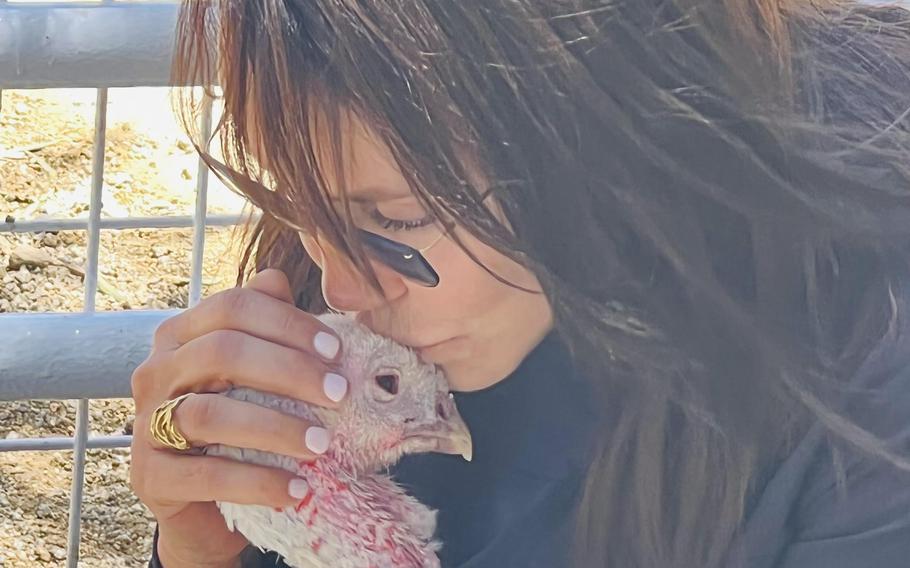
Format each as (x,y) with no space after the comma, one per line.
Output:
(317,439)
(297,488)
(326,344)
(335,386)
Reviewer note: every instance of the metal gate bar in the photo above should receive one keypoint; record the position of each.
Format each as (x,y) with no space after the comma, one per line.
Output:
(89,45)
(43,46)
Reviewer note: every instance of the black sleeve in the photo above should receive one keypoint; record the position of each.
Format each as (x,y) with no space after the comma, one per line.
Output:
(251,557)
(869,523)
(541,538)
(155,562)
(869,527)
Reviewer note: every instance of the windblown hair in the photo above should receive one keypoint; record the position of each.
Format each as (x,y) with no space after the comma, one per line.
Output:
(714,195)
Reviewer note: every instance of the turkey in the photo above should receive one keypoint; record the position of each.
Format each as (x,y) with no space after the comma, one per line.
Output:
(353,514)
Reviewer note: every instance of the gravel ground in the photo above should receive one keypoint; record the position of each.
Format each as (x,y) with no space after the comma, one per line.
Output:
(45,161)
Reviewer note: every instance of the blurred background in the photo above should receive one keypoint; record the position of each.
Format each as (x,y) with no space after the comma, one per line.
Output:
(46,139)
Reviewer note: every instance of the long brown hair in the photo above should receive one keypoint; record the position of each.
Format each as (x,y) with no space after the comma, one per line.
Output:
(713,194)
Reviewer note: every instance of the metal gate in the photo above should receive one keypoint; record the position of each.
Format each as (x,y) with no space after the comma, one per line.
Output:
(102,45)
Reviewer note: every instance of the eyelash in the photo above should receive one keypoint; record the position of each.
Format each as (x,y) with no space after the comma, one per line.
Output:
(397,225)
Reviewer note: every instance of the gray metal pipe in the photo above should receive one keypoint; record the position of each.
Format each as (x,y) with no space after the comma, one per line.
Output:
(74,356)
(41,444)
(176,221)
(71,45)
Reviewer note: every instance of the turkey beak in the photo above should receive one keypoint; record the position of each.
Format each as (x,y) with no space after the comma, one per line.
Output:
(456,438)
(448,434)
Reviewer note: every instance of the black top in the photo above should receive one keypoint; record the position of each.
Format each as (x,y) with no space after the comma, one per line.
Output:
(531,434)
(508,507)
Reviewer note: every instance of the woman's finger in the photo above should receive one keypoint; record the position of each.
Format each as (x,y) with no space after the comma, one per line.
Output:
(254,313)
(223,358)
(192,479)
(205,419)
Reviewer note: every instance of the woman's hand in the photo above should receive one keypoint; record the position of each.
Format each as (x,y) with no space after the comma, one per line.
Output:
(252,336)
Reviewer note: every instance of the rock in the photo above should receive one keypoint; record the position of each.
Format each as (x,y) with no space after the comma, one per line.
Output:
(69,237)
(43,511)
(59,553)
(27,255)
(159,251)
(22,275)
(50,240)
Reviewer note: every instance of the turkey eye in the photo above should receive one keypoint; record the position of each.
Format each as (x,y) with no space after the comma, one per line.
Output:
(388,383)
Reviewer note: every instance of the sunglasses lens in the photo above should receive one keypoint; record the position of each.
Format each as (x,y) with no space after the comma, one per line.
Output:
(400,258)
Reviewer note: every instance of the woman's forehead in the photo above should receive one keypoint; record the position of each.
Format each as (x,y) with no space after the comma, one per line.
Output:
(351,148)
(366,160)
(346,144)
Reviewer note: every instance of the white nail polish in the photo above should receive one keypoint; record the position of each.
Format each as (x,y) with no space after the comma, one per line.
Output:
(317,439)
(335,386)
(297,488)
(326,344)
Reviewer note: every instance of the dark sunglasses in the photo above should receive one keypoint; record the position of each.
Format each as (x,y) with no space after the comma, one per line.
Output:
(401,258)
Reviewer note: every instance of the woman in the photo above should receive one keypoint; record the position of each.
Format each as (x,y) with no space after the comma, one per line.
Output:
(664,262)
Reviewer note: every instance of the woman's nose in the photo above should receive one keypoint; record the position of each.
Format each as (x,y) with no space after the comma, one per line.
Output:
(344,288)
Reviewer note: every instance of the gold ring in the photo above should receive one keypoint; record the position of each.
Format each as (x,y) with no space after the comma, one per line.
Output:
(162,425)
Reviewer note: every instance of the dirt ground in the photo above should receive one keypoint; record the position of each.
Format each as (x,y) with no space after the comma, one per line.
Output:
(45,171)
